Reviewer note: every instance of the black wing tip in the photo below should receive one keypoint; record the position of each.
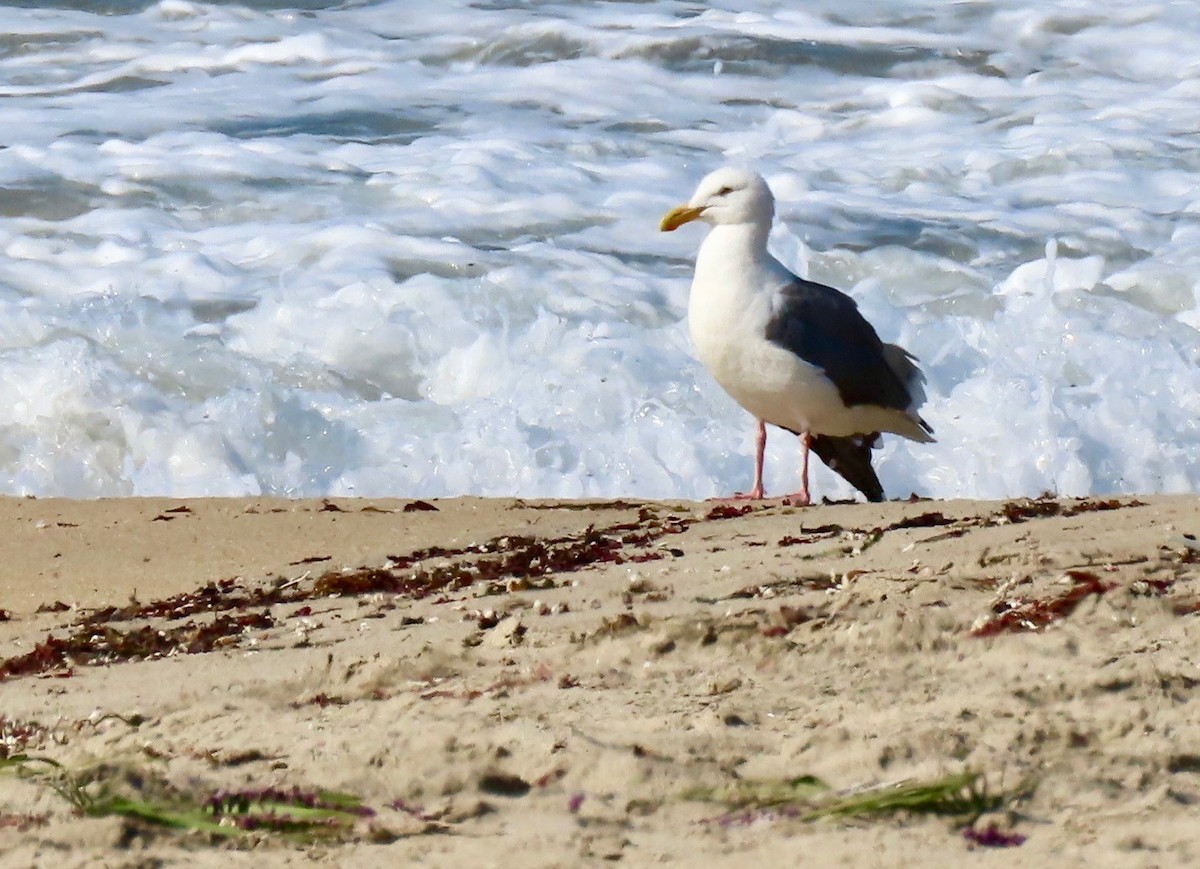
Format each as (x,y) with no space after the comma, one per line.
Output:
(850,458)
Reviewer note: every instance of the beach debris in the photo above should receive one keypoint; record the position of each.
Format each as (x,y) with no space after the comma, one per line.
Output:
(312,559)
(22,822)
(419,506)
(992,836)
(503,784)
(788,618)
(321,700)
(16,736)
(413,810)
(1185,762)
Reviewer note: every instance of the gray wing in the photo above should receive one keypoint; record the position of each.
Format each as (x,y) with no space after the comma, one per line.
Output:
(904,364)
(824,327)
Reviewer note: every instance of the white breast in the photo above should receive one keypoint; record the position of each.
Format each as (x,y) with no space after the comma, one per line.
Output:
(728,312)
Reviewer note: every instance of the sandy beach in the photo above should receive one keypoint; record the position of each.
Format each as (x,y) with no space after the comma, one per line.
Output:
(504,682)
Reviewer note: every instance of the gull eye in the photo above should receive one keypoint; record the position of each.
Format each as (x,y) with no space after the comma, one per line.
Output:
(724,191)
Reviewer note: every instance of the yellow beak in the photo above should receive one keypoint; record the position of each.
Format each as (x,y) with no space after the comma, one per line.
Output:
(678,216)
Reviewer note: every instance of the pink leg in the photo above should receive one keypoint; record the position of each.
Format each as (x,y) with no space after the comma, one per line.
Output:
(802,498)
(757,494)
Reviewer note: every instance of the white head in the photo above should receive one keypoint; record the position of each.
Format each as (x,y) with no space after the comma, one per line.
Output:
(729,195)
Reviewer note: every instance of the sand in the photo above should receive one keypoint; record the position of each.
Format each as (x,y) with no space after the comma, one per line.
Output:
(529,692)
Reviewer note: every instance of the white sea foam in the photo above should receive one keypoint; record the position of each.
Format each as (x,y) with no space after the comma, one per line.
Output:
(361,248)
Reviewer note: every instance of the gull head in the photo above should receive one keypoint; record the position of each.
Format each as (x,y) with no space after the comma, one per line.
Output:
(730,195)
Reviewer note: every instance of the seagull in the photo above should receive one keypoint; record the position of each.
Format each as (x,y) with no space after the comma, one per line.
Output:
(794,353)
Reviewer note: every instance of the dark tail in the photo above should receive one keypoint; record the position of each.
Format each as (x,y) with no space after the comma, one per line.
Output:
(850,458)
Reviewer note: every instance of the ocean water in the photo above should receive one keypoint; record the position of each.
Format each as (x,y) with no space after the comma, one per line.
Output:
(411,249)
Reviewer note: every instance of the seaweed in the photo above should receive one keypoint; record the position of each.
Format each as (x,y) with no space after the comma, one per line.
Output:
(290,810)
(103,644)
(1092,505)
(964,796)
(503,563)
(227,594)
(618,504)
(727,511)
(1020,511)
(932,519)
(1026,615)
(511,557)
(304,815)
(1046,505)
